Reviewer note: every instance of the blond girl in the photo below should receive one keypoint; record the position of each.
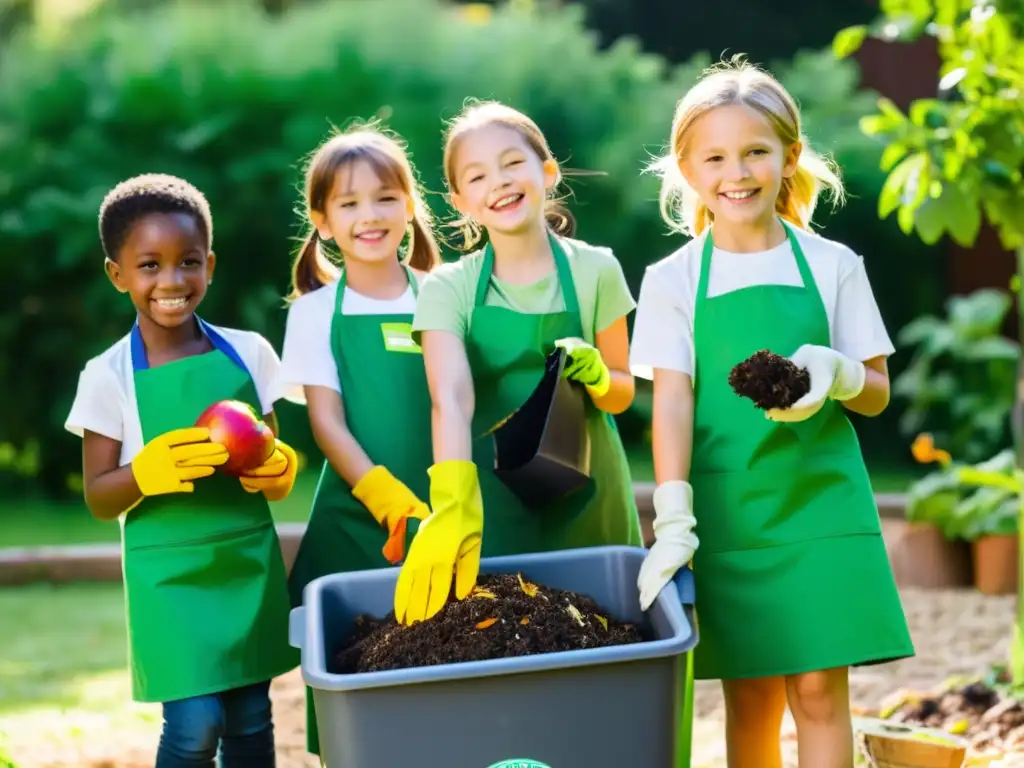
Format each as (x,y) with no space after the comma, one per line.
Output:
(793,582)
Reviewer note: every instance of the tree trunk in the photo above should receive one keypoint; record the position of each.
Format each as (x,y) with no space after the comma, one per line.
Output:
(1017,646)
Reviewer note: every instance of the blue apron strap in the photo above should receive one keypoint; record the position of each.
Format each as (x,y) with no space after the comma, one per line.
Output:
(140,361)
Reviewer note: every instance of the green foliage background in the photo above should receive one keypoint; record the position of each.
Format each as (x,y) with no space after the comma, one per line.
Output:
(233,100)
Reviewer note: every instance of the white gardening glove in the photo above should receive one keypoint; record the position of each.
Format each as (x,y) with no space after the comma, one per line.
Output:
(674,540)
(833,376)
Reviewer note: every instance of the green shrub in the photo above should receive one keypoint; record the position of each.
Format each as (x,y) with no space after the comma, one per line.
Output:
(232,100)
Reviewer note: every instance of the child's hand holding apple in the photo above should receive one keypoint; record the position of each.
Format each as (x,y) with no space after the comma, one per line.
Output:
(255,456)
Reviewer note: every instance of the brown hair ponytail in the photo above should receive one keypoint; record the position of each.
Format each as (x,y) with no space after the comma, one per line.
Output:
(424,254)
(559,218)
(312,268)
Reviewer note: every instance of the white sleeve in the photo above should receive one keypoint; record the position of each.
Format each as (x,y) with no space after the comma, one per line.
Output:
(98,404)
(266,367)
(859,331)
(663,329)
(307,359)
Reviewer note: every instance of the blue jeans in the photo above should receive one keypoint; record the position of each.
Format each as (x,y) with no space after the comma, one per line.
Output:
(237,721)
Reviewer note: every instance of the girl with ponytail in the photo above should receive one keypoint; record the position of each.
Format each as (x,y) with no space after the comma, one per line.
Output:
(349,355)
(793,585)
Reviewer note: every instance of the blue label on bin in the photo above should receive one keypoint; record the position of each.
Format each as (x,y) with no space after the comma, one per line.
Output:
(520,762)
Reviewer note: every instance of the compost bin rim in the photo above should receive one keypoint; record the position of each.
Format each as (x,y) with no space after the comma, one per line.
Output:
(680,618)
(499,668)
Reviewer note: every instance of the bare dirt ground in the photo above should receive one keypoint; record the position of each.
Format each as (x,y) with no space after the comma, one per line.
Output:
(957,632)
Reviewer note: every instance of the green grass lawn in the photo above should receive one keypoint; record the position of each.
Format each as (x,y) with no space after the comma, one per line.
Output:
(64,685)
(39,524)
(65,641)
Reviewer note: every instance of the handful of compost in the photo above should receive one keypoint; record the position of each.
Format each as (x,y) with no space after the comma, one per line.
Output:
(770,380)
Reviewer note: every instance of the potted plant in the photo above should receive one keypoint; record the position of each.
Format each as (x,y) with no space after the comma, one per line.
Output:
(929,557)
(988,518)
(977,504)
(960,381)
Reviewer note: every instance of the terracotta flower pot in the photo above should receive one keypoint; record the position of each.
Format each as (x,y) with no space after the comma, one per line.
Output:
(996,564)
(922,557)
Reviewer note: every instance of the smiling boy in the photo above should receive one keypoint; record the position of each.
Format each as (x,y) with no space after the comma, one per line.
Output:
(207,601)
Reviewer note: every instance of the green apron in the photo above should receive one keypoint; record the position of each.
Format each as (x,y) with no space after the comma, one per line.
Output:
(205,585)
(791,574)
(387,410)
(507,351)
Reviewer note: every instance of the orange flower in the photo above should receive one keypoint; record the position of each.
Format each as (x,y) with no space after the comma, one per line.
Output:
(924,451)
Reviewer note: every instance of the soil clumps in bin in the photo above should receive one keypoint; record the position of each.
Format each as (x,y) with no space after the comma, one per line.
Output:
(505,616)
(770,380)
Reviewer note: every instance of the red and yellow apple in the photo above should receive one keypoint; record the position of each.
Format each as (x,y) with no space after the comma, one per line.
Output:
(236,426)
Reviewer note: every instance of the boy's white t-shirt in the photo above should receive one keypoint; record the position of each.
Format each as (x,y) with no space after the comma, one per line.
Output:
(105,401)
(307,359)
(663,329)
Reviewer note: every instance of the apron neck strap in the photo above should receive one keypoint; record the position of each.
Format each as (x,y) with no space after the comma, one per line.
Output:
(562,269)
(709,248)
(341,287)
(705,265)
(140,360)
(413,283)
(801,260)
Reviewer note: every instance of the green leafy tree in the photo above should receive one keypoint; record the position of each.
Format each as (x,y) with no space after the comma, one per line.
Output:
(957,160)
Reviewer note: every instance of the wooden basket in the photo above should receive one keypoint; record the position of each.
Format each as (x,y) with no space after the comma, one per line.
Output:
(895,745)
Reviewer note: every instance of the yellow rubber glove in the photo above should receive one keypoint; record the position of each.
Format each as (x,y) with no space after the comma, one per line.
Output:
(169,463)
(276,476)
(585,366)
(392,504)
(447,543)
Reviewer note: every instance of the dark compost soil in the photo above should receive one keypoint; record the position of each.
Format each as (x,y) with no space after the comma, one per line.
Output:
(989,718)
(770,380)
(505,616)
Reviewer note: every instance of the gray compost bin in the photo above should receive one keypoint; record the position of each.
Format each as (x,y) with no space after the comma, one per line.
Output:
(594,708)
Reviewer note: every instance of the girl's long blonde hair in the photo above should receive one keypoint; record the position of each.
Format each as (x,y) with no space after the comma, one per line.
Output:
(739,82)
(386,154)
